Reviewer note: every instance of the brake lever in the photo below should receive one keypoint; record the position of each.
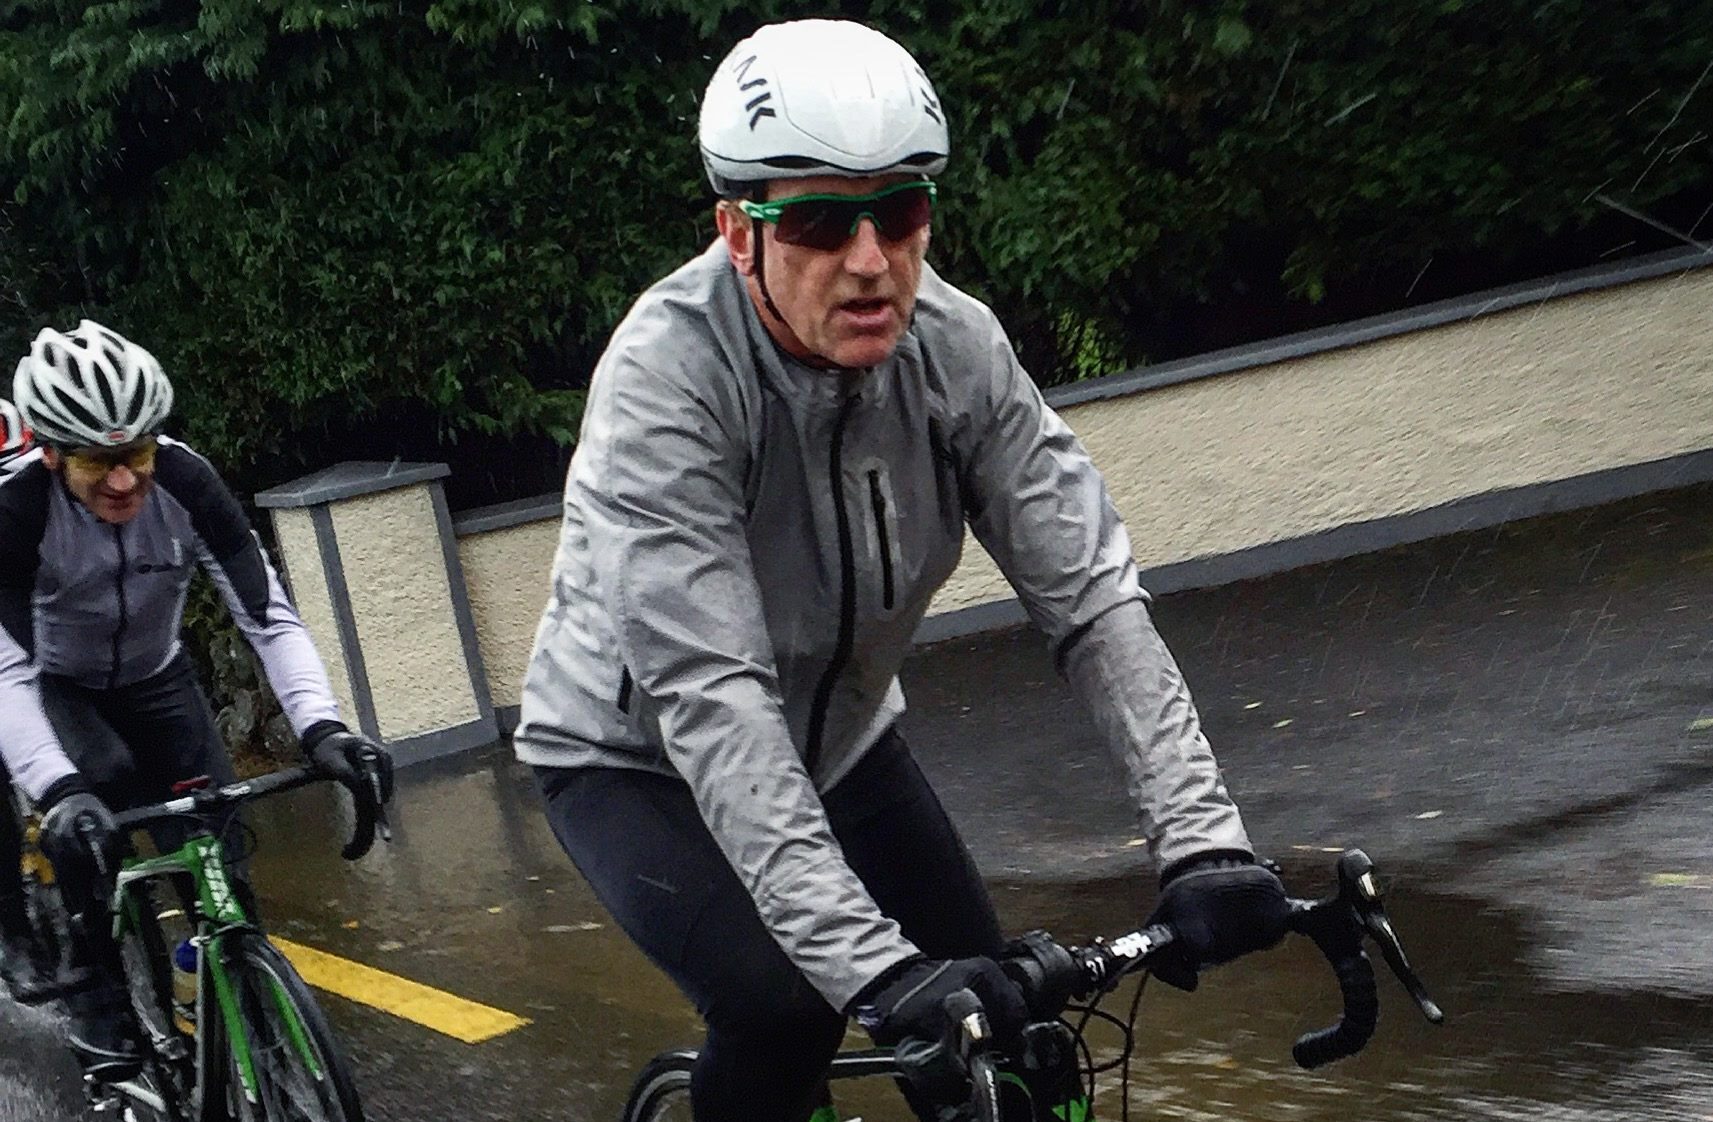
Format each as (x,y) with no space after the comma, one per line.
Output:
(377,794)
(383,827)
(1359,890)
(972,1036)
(97,853)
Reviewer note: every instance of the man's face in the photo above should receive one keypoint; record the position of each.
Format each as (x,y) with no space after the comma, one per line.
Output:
(846,306)
(112,482)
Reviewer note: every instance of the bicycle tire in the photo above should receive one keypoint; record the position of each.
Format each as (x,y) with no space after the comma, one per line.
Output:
(160,1091)
(50,925)
(267,989)
(661,1088)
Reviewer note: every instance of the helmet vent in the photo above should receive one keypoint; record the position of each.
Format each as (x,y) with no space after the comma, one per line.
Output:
(83,416)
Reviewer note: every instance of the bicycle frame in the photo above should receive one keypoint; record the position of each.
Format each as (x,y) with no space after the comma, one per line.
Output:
(219,914)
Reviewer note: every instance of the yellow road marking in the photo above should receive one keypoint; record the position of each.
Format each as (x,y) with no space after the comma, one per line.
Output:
(1680,880)
(461,1019)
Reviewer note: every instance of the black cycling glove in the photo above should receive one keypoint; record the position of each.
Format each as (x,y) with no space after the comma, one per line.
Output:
(908,1000)
(1222,905)
(80,838)
(341,754)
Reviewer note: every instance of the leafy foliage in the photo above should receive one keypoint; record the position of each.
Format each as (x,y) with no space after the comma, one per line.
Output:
(357,229)
(246,711)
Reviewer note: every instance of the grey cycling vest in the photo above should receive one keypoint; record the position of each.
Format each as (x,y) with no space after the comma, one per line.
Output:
(102,604)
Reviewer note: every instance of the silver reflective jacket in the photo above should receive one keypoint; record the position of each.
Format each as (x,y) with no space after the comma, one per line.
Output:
(748,546)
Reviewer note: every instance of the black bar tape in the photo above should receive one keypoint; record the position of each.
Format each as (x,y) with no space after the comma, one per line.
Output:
(1355,1028)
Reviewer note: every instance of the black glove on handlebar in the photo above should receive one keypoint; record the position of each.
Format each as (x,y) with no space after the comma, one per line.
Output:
(908,1000)
(341,754)
(1222,905)
(80,838)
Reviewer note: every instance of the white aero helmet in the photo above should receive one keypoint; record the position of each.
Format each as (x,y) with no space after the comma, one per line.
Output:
(90,386)
(819,97)
(14,433)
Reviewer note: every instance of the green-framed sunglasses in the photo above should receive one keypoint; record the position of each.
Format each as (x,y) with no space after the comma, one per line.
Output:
(826,222)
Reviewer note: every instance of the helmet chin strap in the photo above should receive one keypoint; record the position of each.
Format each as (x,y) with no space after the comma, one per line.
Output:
(761,273)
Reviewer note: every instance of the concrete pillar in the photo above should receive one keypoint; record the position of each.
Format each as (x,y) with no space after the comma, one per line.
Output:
(374,570)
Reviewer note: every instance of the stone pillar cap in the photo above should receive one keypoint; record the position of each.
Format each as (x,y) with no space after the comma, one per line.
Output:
(348,480)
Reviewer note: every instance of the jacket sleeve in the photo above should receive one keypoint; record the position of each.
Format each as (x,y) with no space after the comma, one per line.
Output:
(1042,510)
(28,746)
(232,556)
(659,477)
(1123,674)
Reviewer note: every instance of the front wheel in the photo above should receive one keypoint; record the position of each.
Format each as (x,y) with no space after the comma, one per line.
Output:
(661,1092)
(159,1092)
(292,1069)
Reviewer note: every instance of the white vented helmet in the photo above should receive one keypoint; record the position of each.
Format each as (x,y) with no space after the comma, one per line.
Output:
(14,433)
(90,386)
(819,97)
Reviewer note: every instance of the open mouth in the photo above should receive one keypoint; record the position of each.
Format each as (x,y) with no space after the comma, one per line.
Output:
(866,308)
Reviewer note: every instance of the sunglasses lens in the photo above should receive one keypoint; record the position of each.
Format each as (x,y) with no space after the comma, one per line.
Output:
(827,224)
(898,216)
(817,224)
(99,462)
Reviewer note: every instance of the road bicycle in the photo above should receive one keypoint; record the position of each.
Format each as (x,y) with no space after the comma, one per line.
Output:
(229,1031)
(1049,1074)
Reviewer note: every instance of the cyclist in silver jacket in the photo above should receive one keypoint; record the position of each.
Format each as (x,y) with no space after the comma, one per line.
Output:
(102,529)
(782,446)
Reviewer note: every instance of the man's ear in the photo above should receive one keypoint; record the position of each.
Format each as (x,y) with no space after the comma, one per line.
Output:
(738,230)
(50,457)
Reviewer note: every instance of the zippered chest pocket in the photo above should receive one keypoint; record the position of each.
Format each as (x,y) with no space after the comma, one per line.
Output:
(883,530)
(886,533)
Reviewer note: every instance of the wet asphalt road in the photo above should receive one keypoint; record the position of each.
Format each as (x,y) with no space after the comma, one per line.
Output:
(1516,723)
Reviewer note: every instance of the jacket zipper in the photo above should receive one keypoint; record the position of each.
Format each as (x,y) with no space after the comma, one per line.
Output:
(119,631)
(847,592)
(624,690)
(879,500)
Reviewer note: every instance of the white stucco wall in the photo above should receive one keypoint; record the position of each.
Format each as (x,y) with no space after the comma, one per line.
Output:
(1580,384)
(507,572)
(395,572)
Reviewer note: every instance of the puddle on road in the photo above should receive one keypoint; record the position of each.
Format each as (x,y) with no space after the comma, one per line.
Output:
(1511,1049)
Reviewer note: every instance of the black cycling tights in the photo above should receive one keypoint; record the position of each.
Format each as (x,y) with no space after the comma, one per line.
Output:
(133,743)
(642,845)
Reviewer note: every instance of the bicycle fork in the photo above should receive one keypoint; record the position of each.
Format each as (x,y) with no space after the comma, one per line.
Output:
(219,918)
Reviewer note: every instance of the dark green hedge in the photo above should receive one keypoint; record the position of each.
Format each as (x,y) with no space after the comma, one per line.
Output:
(360,229)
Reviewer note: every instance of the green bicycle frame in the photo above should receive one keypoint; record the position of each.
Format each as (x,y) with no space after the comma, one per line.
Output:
(1075,1109)
(219,915)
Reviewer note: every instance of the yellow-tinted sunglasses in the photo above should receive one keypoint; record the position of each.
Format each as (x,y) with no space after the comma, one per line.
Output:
(95,463)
